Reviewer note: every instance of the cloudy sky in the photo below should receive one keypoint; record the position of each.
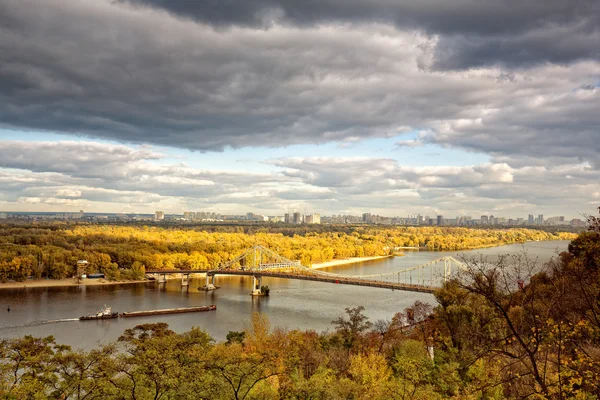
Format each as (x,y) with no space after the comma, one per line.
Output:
(395,107)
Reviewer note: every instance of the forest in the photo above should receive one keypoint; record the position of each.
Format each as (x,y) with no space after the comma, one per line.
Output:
(508,329)
(125,252)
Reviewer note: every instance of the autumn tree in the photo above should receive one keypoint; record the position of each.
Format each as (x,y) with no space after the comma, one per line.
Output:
(352,325)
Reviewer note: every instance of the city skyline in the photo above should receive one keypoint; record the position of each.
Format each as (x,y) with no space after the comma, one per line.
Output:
(274,106)
(303,218)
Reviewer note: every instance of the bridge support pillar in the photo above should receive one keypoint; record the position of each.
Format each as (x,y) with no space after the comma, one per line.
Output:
(162,278)
(185,280)
(256,285)
(210,283)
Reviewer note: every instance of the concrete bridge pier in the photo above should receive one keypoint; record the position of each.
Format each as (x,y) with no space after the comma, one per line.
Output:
(162,278)
(210,283)
(185,280)
(256,284)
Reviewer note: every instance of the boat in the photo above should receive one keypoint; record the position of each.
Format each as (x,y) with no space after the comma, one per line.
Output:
(168,311)
(105,313)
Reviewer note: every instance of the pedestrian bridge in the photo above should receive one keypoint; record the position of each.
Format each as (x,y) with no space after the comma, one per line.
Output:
(260,262)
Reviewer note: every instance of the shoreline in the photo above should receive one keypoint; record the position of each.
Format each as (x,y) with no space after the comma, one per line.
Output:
(45,283)
(346,261)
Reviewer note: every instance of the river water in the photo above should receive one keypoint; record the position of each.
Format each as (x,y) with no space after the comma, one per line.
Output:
(292,304)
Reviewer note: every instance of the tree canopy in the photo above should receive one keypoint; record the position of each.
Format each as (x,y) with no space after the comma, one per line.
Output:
(125,252)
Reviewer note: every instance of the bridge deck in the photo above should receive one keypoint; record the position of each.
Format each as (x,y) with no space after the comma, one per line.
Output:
(178,271)
(340,279)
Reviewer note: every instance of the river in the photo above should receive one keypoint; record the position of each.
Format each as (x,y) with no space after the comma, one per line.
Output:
(292,304)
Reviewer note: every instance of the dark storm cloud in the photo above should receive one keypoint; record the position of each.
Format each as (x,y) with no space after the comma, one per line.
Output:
(474,33)
(239,74)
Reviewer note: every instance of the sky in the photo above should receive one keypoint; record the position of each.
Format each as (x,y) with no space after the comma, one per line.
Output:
(394,107)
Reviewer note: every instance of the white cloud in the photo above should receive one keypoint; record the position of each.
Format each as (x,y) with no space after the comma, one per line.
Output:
(142,182)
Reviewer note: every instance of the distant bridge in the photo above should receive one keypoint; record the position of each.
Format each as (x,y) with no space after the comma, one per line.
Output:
(260,262)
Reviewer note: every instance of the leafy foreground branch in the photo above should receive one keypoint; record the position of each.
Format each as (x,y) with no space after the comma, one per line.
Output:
(507,329)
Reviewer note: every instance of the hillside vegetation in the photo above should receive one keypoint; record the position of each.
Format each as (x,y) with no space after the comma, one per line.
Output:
(124,252)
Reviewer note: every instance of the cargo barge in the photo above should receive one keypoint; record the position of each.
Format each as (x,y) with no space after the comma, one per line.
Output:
(168,311)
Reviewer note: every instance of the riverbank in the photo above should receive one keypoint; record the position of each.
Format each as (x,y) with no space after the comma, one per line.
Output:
(351,260)
(40,283)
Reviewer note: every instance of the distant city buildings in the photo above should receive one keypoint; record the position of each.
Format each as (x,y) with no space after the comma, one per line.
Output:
(316,218)
(312,219)
(298,218)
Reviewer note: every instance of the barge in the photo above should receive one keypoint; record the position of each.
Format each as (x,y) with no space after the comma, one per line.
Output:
(105,313)
(168,311)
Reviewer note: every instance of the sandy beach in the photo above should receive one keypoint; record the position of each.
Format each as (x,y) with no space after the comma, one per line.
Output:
(345,261)
(61,282)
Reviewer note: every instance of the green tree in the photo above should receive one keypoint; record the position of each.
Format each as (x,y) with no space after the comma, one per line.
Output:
(352,326)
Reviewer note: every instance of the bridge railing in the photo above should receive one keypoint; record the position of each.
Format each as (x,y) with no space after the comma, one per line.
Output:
(432,273)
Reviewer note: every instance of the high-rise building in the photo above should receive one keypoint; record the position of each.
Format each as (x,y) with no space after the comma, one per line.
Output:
(312,218)
(366,217)
(530,219)
(159,215)
(484,220)
(316,218)
(541,219)
(297,218)
(492,220)
(286,218)
(440,220)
